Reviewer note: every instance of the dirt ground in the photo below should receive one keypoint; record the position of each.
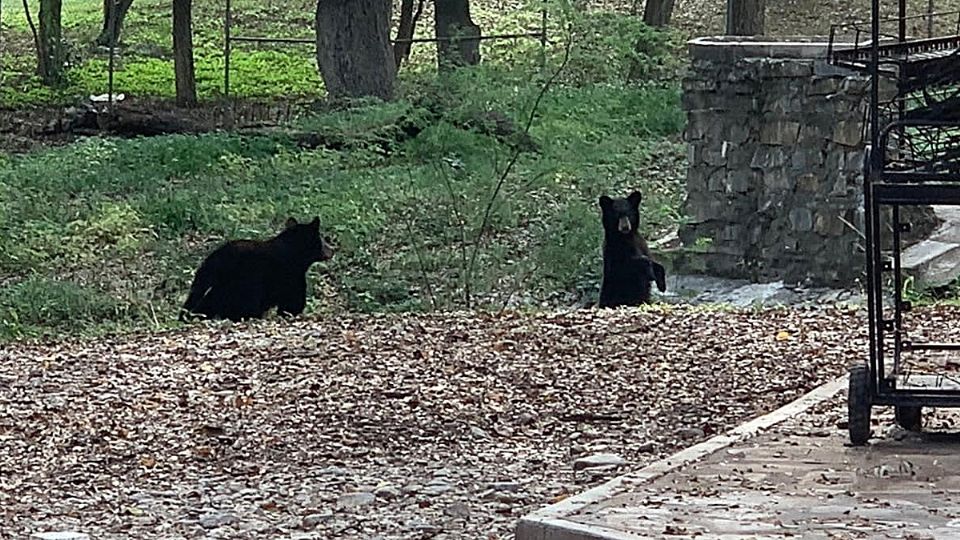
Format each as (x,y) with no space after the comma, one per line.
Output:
(439,426)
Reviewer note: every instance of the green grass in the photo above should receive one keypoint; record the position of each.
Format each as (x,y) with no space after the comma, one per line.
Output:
(145,66)
(110,230)
(104,234)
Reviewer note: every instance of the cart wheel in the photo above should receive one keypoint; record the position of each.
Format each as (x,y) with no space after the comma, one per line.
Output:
(858,405)
(909,418)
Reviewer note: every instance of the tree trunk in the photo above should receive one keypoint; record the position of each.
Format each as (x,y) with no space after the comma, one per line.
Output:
(353,48)
(657,13)
(405,30)
(745,17)
(50,44)
(183,53)
(453,25)
(120,13)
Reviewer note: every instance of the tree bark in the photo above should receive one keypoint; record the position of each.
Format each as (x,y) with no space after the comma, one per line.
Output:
(405,30)
(50,44)
(458,33)
(183,53)
(122,6)
(745,17)
(657,13)
(353,48)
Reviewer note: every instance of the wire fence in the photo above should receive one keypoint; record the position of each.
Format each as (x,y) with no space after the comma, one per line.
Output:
(229,39)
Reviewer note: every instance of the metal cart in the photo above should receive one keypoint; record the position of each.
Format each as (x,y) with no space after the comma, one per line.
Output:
(913,159)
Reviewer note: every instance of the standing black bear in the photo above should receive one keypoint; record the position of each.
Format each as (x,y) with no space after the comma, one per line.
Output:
(628,267)
(243,279)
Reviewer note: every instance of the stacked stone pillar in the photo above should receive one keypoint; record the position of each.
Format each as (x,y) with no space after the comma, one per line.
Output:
(776,149)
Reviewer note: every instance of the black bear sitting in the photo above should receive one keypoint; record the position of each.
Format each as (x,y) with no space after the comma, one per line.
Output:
(628,267)
(243,279)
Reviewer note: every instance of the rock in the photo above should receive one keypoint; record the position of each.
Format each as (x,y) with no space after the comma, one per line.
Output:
(478,433)
(421,526)
(691,433)
(310,521)
(801,219)
(388,492)
(508,498)
(218,519)
(526,418)
(61,535)
(597,460)
(353,500)
(457,510)
(646,447)
(334,471)
(512,487)
(437,486)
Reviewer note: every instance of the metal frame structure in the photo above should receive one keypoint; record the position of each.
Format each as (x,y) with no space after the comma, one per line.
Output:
(229,39)
(913,159)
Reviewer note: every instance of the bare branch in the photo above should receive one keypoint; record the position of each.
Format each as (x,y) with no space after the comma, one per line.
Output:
(485,222)
(461,225)
(33,27)
(419,254)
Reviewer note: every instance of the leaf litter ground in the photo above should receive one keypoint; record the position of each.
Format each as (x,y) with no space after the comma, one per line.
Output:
(427,426)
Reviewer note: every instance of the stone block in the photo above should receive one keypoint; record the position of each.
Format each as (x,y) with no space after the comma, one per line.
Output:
(779,132)
(848,133)
(841,185)
(714,156)
(742,88)
(717,181)
(789,68)
(828,223)
(693,154)
(805,160)
(852,162)
(821,86)
(698,122)
(732,233)
(808,183)
(784,104)
(737,130)
(777,179)
(815,130)
(698,83)
(739,181)
(766,157)
(706,208)
(771,202)
(854,86)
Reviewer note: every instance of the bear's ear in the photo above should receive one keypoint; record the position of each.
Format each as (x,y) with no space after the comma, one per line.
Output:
(315,223)
(634,199)
(291,222)
(605,202)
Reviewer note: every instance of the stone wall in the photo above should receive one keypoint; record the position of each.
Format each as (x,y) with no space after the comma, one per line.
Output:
(776,151)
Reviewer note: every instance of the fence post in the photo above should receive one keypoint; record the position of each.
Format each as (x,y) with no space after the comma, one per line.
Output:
(227,22)
(543,38)
(113,45)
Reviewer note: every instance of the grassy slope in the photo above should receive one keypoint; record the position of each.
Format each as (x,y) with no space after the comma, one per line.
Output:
(105,233)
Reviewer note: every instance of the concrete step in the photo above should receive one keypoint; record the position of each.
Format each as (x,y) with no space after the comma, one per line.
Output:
(935,262)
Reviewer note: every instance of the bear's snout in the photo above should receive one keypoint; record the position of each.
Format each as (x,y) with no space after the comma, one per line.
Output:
(624,225)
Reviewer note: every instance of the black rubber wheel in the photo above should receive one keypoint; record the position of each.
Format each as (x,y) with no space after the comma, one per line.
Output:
(909,418)
(858,405)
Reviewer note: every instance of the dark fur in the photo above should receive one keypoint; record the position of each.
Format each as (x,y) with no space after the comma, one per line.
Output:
(628,267)
(243,279)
